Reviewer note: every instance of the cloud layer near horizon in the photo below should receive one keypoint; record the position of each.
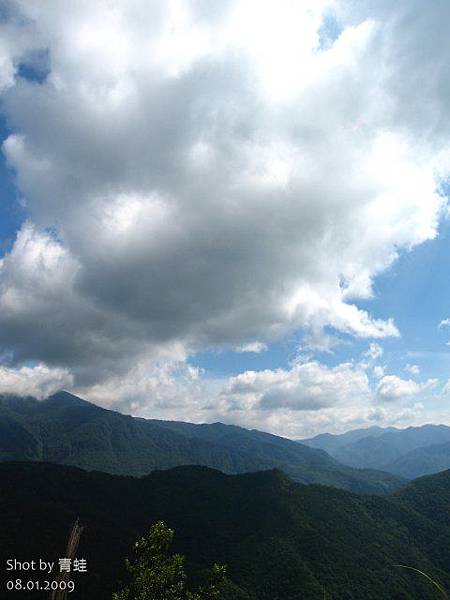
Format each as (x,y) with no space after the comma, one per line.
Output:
(197,178)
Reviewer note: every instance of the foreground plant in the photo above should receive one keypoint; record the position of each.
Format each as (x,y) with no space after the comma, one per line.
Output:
(156,575)
(437,585)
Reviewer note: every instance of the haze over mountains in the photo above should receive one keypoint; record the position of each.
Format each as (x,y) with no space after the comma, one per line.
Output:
(410,452)
(67,430)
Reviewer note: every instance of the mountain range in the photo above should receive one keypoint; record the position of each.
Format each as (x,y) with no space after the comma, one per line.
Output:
(65,429)
(409,453)
(234,496)
(280,540)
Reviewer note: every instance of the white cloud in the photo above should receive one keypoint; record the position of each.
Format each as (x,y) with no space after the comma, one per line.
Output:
(179,155)
(370,358)
(38,381)
(391,388)
(305,386)
(374,352)
(255,347)
(413,369)
(444,323)
(301,401)
(379,371)
(168,388)
(20,43)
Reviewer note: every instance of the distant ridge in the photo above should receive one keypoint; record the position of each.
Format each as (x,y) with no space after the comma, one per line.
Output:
(410,452)
(65,429)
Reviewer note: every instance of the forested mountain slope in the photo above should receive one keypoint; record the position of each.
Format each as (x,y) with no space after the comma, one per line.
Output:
(281,540)
(67,430)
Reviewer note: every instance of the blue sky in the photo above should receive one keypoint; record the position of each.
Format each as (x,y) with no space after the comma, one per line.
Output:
(12,213)
(186,186)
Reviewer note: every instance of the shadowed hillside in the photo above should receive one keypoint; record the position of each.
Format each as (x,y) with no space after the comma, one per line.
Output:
(281,540)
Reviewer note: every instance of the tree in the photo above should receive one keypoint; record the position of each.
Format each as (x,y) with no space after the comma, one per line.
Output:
(156,575)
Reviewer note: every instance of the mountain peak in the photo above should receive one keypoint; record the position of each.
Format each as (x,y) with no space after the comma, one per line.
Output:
(64,398)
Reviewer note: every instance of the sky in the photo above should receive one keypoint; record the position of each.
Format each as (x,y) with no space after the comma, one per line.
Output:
(228,211)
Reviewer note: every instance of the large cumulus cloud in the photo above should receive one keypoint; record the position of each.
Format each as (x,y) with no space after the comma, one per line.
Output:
(297,401)
(196,177)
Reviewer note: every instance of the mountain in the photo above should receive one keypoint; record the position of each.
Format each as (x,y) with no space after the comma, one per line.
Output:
(67,430)
(410,452)
(331,443)
(422,461)
(430,497)
(280,540)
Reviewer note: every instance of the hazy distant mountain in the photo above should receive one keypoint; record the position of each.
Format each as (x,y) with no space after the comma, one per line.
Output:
(411,452)
(67,430)
(280,540)
(422,461)
(332,442)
